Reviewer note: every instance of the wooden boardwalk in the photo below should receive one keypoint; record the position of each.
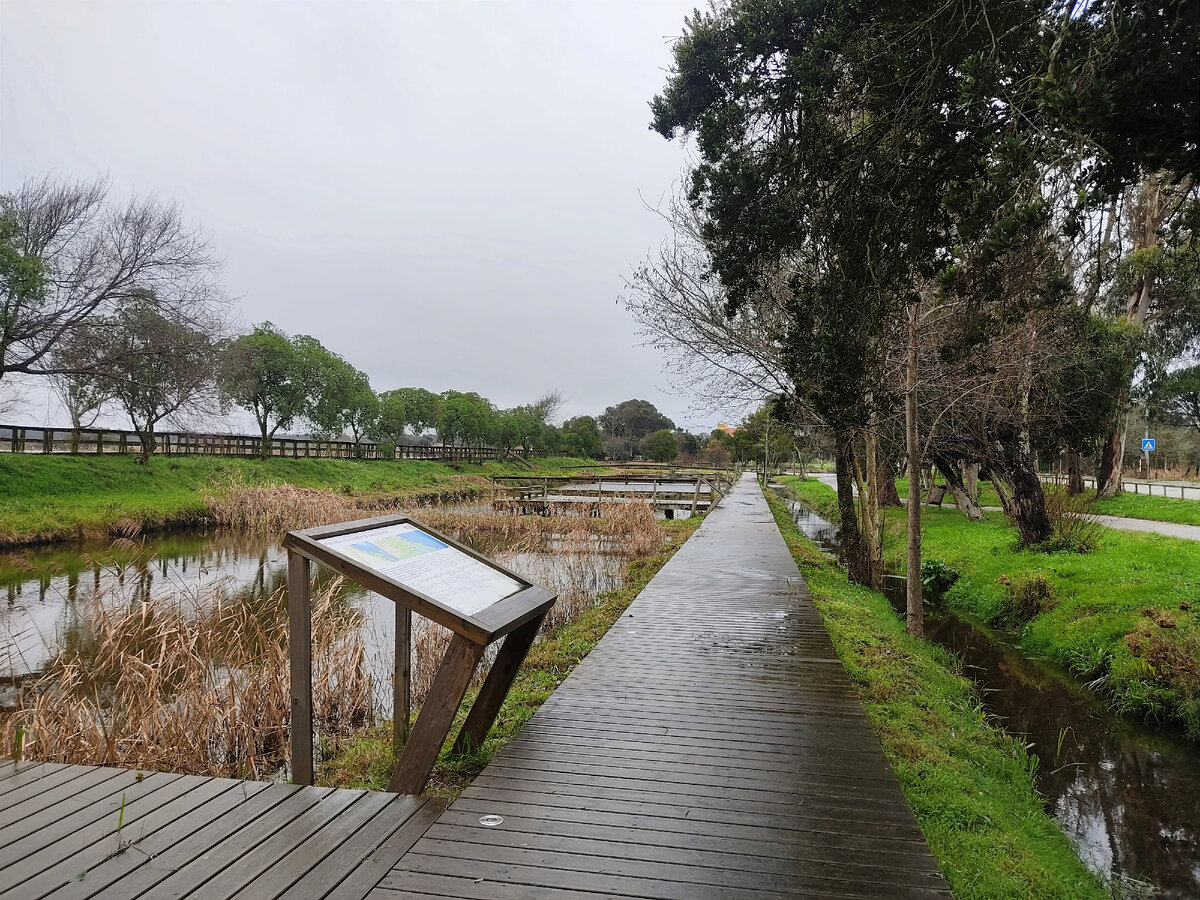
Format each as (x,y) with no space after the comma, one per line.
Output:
(710,746)
(76,832)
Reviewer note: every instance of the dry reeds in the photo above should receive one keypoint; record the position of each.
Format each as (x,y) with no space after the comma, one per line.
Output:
(274,509)
(197,681)
(191,686)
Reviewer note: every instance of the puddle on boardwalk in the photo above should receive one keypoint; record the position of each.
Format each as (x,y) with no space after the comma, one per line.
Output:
(1127,795)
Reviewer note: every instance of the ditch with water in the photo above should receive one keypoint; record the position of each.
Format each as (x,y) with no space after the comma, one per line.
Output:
(1127,795)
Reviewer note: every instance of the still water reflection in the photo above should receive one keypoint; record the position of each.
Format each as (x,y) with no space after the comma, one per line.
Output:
(45,594)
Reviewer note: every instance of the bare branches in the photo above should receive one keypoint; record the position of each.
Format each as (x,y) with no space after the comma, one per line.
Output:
(81,257)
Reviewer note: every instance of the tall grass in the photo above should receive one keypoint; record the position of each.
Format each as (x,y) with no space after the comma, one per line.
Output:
(192,683)
(197,680)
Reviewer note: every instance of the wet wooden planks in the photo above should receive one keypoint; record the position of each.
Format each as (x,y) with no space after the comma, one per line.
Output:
(77,832)
(710,746)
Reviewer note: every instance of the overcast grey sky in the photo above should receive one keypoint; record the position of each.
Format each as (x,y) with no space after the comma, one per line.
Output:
(447,194)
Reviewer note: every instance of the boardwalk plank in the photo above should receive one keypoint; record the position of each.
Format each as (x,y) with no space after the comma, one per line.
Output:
(211,799)
(711,745)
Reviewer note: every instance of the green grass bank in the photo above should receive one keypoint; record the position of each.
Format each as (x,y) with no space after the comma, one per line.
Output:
(366,760)
(1125,618)
(970,785)
(54,498)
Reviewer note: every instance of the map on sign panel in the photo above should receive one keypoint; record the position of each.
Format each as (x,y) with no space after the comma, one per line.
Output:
(418,560)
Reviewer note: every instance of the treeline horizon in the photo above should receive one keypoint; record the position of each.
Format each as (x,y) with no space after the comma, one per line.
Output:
(119,307)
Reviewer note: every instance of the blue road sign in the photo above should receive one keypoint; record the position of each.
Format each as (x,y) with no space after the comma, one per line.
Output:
(1147,444)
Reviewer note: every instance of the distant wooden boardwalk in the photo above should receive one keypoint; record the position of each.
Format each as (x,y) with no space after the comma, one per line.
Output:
(710,746)
(187,836)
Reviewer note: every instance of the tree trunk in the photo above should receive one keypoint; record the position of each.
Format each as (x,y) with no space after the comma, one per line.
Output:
(916,609)
(872,521)
(858,564)
(1074,472)
(1028,502)
(962,498)
(971,480)
(1112,454)
(149,444)
(885,480)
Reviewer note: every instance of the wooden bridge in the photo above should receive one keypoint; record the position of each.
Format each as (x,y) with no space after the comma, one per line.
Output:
(674,493)
(710,746)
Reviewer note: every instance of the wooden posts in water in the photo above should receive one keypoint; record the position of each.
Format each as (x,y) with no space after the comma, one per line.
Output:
(402,679)
(425,572)
(300,666)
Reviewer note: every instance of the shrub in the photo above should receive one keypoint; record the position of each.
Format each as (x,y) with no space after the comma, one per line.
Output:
(1073,528)
(1024,601)
(937,578)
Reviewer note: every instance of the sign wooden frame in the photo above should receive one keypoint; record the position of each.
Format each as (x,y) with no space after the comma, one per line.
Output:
(516,618)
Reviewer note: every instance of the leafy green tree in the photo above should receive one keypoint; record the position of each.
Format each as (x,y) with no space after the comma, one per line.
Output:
(661,446)
(467,419)
(264,373)
(584,435)
(340,397)
(848,151)
(632,420)
(151,366)
(1178,395)
(406,409)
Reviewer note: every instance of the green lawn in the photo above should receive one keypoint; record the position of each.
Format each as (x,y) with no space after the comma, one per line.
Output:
(1116,620)
(970,785)
(1157,509)
(56,497)
(987,493)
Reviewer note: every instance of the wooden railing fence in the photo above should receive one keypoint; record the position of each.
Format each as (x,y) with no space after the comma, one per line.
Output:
(89,441)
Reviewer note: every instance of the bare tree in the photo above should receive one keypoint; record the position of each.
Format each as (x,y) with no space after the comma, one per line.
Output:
(82,396)
(68,257)
(682,310)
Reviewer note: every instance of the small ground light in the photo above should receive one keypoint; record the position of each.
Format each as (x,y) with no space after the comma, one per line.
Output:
(490,821)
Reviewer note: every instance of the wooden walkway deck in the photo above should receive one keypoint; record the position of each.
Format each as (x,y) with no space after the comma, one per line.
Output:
(710,746)
(188,836)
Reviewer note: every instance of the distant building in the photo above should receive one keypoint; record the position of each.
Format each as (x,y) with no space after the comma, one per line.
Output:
(727,428)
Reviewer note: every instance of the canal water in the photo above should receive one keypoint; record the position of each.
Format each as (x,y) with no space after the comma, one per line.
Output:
(1127,795)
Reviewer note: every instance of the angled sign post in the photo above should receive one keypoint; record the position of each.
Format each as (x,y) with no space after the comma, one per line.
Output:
(432,575)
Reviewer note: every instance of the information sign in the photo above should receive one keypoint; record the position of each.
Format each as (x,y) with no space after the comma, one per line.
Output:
(429,574)
(414,558)
(1147,445)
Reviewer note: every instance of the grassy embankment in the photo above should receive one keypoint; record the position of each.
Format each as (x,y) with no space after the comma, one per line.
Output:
(970,785)
(1132,506)
(49,498)
(1157,509)
(366,760)
(1125,617)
